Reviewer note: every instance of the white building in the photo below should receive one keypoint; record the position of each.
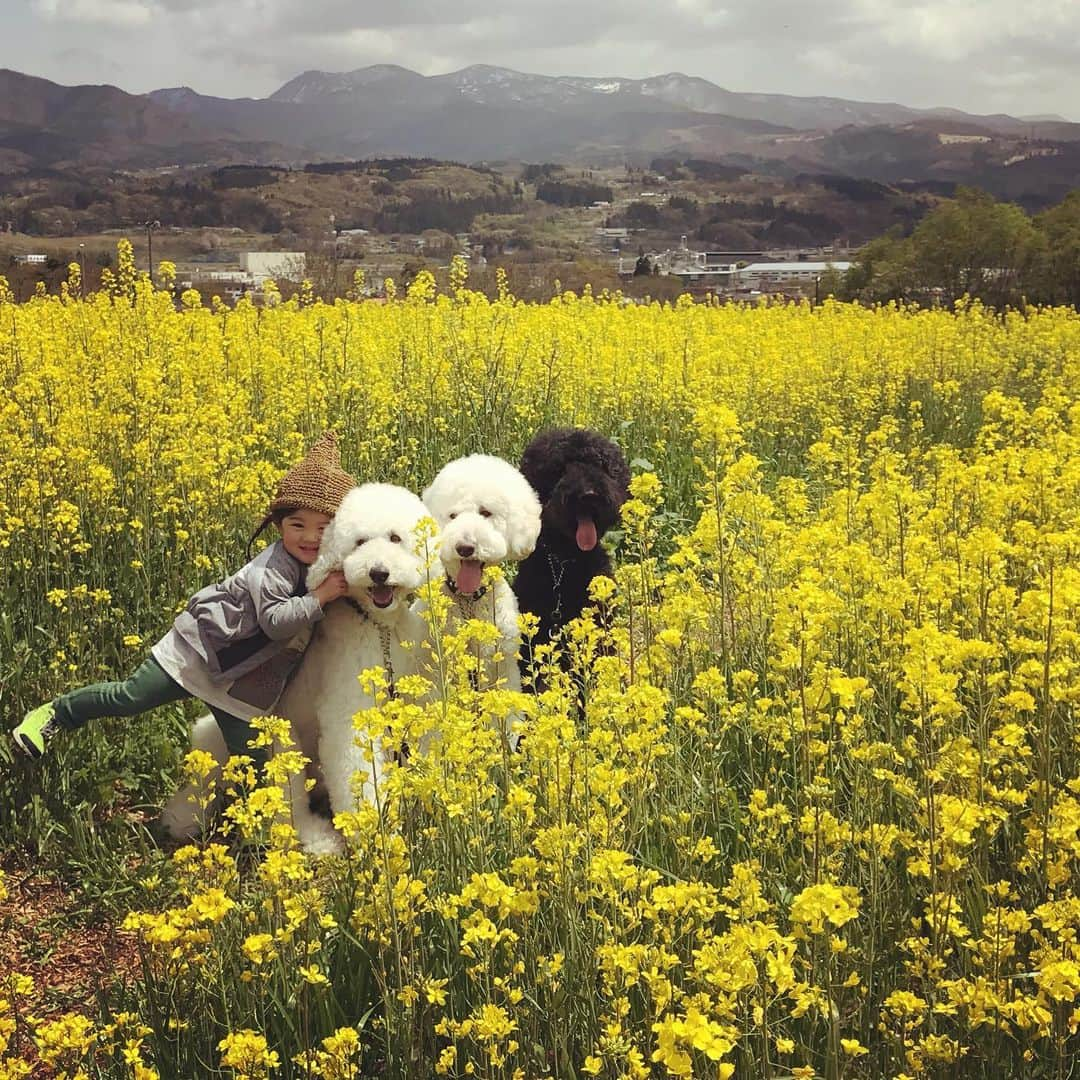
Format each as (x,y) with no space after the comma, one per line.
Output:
(278,265)
(31,260)
(758,274)
(698,269)
(725,272)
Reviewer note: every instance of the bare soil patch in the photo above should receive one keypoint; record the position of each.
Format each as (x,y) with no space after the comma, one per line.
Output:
(69,958)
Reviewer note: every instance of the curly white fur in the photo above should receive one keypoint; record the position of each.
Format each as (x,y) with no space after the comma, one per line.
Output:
(182,816)
(487,514)
(373,540)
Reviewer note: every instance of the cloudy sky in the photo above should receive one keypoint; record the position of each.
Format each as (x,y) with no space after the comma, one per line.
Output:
(979,55)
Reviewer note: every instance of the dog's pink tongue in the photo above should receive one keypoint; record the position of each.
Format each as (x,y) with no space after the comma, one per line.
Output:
(383,595)
(586,534)
(469,575)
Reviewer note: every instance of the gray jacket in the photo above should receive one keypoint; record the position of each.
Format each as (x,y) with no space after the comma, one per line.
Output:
(240,624)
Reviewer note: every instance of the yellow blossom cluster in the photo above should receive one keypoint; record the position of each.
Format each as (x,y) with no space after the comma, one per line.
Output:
(802,797)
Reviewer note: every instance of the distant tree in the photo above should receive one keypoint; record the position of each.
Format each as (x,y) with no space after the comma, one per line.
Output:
(665,166)
(440,210)
(973,244)
(686,207)
(970,245)
(855,189)
(713,170)
(531,173)
(1055,274)
(884,270)
(572,192)
(641,215)
(791,227)
(723,234)
(244,176)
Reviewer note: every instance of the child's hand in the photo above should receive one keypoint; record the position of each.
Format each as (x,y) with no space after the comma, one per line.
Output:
(331,588)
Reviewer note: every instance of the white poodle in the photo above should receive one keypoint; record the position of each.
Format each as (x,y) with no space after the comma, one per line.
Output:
(487,514)
(373,540)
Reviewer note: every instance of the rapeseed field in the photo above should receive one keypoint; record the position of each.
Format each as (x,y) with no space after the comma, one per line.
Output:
(820,813)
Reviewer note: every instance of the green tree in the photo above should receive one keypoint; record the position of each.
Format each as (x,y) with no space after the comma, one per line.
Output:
(974,245)
(971,245)
(884,270)
(1055,276)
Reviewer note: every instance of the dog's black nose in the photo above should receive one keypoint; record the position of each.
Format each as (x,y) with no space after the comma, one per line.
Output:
(380,576)
(465,550)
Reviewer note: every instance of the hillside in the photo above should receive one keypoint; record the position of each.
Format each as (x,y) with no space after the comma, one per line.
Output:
(45,124)
(485,113)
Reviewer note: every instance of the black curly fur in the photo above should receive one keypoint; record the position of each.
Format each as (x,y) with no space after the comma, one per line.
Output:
(578,474)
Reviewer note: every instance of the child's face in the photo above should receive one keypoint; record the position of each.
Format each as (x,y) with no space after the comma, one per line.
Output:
(301,533)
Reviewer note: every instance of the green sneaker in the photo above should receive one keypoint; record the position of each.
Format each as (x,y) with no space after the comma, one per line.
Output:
(37,728)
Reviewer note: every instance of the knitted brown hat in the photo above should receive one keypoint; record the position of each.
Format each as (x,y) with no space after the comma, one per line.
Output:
(316,483)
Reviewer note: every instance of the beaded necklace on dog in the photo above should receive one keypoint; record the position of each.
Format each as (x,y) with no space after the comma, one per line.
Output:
(385,641)
(467,602)
(556,581)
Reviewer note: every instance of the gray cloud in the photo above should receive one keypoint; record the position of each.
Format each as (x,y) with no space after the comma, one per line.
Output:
(76,56)
(979,55)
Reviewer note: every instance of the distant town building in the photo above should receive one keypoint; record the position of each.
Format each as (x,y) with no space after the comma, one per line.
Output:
(731,255)
(259,266)
(729,272)
(699,271)
(31,260)
(762,274)
(254,269)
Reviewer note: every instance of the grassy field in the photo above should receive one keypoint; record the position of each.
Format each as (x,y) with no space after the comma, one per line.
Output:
(820,816)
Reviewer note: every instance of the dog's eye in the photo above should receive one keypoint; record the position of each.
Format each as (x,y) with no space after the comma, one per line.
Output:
(484,512)
(361,541)
(453,515)
(394,538)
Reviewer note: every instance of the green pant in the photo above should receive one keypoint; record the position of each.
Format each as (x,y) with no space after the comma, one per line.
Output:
(148,688)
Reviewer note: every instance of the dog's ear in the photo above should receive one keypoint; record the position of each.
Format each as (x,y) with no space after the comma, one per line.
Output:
(543,461)
(329,559)
(330,555)
(429,498)
(523,523)
(438,496)
(614,464)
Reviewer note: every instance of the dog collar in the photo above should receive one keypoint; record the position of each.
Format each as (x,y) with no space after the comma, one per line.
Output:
(356,606)
(359,609)
(451,586)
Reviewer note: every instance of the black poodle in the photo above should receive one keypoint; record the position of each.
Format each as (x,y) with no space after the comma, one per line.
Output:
(581,478)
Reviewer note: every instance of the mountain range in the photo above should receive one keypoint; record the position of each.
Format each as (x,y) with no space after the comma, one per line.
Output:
(493,113)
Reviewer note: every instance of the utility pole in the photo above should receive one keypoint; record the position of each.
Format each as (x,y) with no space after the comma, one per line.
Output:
(82,271)
(334,254)
(150,226)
